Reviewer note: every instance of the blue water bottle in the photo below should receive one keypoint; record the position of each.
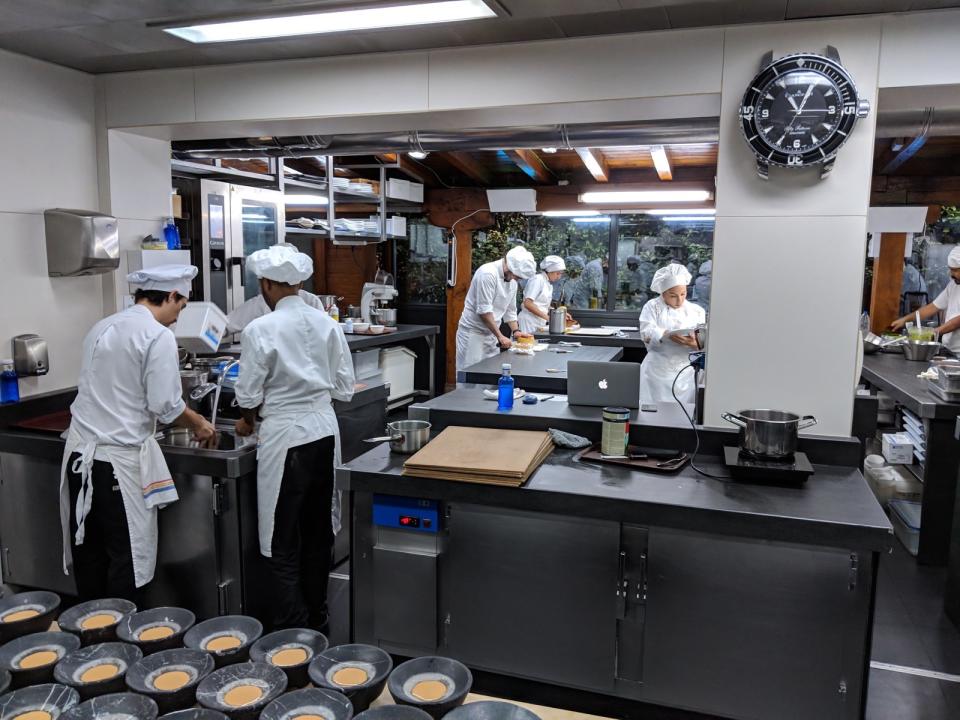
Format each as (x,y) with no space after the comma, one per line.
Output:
(171,235)
(9,388)
(505,390)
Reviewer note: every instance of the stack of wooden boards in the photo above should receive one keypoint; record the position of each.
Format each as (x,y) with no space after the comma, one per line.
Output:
(482,455)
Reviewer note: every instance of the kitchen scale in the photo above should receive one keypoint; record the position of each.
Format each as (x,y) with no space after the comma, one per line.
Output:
(793,470)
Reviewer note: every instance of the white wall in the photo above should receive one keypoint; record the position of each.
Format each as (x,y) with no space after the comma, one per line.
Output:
(788,253)
(50,160)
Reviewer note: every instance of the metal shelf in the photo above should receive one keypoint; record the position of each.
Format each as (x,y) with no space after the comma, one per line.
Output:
(350,238)
(348,197)
(189,167)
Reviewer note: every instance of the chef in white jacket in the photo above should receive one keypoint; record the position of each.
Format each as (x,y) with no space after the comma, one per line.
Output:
(294,361)
(491,301)
(538,294)
(667,354)
(113,475)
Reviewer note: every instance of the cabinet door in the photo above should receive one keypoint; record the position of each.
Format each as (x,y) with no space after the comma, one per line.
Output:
(531,594)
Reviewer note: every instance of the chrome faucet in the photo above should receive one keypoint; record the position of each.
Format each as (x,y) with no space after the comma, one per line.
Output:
(216,398)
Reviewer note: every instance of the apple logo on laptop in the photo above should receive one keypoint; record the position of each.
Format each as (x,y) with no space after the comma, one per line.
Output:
(602,384)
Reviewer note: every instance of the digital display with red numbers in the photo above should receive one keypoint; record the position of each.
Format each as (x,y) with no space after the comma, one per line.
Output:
(409,521)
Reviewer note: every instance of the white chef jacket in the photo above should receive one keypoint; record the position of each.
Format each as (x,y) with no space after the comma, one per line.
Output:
(538,289)
(257,307)
(293,362)
(489,293)
(664,357)
(129,379)
(949,300)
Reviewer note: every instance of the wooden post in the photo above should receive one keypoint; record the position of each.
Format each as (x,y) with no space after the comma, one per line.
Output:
(887,282)
(454,209)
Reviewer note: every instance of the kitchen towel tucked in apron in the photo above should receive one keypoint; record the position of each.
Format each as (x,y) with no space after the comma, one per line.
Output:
(278,433)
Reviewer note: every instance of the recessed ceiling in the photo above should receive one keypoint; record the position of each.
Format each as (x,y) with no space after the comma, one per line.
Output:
(113,35)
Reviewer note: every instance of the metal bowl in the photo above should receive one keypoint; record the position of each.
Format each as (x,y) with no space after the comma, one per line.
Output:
(106,614)
(376,663)
(194,666)
(177,619)
(71,670)
(455,675)
(308,643)
(246,629)
(920,351)
(309,703)
(45,604)
(16,656)
(118,706)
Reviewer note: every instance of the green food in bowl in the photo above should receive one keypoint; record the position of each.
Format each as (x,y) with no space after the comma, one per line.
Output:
(921,334)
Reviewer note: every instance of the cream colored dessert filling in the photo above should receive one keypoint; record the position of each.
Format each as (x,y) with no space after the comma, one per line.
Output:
(34,715)
(223,642)
(18,615)
(171,680)
(100,620)
(242,695)
(99,673)
(289,657)
(350,677)
(160,632)
(429,690)
(38,659)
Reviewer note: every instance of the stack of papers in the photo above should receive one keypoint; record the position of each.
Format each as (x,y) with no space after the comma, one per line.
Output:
(463,454)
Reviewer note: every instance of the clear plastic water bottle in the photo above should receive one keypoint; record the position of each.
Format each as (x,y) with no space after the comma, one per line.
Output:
(171,235)
(9,387)
(505,389)
(348,326)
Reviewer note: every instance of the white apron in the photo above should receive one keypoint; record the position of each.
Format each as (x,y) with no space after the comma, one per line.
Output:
(665,358)
(474,346)
(278,433)
(542,295)
(145,485)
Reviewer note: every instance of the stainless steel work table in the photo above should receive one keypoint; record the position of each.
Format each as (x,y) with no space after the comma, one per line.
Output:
(897,377)
(530,372)
(600,582)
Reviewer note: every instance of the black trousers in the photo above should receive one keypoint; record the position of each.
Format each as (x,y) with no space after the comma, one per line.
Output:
(103,564)
(303,536)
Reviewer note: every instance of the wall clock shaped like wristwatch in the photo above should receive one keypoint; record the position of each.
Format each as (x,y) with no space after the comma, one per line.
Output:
(799,110)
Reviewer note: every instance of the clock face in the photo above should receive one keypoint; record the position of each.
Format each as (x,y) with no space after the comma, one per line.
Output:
(799,110)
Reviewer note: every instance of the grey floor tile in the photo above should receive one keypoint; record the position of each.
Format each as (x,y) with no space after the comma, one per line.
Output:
(942,644)
(894,696)
(951,691)
(899,644)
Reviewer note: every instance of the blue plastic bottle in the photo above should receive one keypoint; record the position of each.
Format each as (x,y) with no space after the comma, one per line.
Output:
(505,390)
(9,387)
(171,235)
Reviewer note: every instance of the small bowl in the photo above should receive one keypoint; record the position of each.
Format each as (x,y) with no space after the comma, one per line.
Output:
(361,327)
(20,657)
(491,710)
(26,613)
(96,621)
(921,351)
(393,712)
(215,689)
(292,651)
(195,714)
(158,620)
(118,706)
(4,682)
(377,329)
(51,699)
(246,630)
(455,675)
(99,659)
(372,660)
(193,666)
(312,702)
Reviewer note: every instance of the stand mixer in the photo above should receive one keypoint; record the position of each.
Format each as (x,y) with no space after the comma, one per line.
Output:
(373,295)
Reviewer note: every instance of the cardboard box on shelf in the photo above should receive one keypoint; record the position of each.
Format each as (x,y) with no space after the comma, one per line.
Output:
(897,448)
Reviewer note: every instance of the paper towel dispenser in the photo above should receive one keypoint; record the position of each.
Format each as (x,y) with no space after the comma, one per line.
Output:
(80,242)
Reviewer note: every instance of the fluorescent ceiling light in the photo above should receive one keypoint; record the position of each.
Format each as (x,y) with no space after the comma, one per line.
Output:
(642,196)
(548,150)
(418,155)
(592,163)
(661,163)
(686,211)
(689,218)
(601,219)
(400,15)
(304,200)
(570,213)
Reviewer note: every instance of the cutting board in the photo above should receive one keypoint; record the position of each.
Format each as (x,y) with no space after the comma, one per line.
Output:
(594,332)
(481,455)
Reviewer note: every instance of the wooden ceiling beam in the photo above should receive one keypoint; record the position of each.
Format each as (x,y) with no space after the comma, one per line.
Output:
(465,163)
(595,163)
(532,165)
(661,162)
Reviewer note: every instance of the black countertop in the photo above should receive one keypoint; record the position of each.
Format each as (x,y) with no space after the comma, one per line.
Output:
(402,334)
(623,340)
(897,377)
(834,508)
(530,371)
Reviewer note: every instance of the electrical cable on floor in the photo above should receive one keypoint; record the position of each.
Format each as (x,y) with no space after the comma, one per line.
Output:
(696,433)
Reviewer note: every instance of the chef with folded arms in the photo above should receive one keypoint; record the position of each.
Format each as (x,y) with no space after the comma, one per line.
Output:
(538,294)
(948,301)
(491,302)
(294,361)
(113,476)
(256,306)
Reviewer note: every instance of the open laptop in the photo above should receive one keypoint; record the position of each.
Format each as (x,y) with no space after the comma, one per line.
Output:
(600,384)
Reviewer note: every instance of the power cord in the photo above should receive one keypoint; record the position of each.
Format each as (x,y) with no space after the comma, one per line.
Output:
(693,425)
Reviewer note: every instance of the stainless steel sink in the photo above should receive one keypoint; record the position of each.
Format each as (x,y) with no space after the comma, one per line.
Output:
(227,439)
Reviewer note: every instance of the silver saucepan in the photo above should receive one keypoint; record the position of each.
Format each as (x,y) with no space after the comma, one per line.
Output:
(406,436)
(769,433)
